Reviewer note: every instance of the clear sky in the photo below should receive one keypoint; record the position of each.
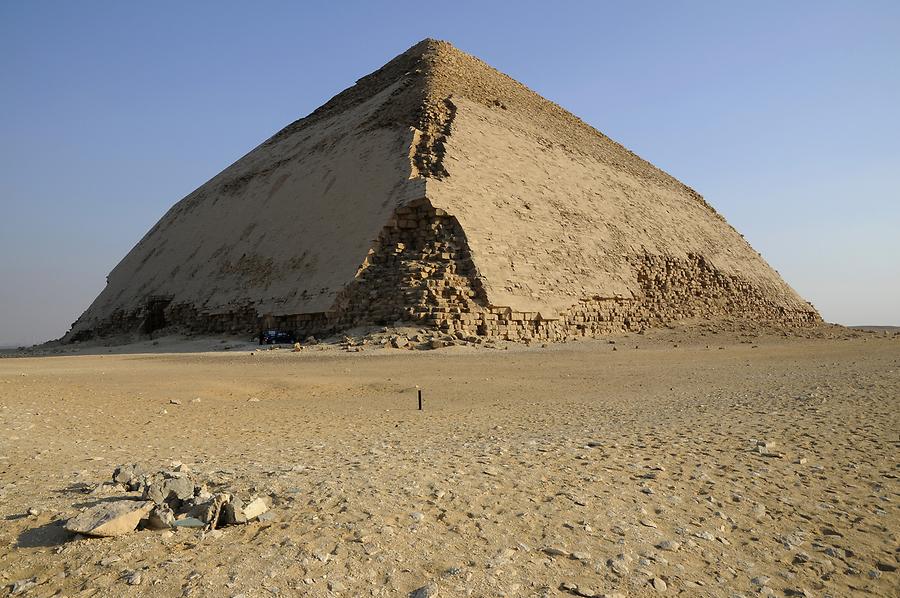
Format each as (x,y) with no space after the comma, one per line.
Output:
(784,115)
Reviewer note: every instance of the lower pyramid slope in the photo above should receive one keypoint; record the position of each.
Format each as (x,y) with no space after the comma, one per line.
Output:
(441,192)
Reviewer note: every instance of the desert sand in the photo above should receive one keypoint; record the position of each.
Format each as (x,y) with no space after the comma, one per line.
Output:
(701,464)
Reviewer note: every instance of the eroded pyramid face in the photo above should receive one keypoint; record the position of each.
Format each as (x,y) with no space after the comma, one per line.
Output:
(440,191)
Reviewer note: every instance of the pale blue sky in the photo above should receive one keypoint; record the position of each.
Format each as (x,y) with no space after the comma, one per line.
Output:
(784,115)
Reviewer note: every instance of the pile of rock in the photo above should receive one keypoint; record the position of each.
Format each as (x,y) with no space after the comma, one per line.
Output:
(430,341)
(163,500)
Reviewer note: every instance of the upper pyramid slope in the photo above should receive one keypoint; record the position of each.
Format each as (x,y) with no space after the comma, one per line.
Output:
(428,73)
(550,211)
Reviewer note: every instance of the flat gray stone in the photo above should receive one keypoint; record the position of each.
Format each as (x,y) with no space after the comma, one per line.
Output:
(110,518)
(190,522)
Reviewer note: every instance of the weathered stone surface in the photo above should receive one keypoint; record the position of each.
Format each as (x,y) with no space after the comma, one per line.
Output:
(129,476)
(255,508)
(169,489)
(161,517)
(233,512)
(211,510)
(190,522)
(497,248)
(426,591)
(110,518)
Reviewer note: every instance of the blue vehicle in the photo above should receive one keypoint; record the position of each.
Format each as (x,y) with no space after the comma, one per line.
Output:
(276,337)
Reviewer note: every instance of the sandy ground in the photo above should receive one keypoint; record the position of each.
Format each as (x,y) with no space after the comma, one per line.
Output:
(529,472)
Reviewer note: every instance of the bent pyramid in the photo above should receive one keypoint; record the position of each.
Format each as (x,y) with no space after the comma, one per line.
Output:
(439,191)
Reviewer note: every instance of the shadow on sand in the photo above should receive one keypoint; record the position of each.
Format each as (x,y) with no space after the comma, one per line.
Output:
(139,346)
(49,534)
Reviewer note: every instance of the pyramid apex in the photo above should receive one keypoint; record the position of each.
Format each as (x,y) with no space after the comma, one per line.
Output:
(432,42)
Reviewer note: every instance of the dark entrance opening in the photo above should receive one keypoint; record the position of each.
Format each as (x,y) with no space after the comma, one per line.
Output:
(156,313)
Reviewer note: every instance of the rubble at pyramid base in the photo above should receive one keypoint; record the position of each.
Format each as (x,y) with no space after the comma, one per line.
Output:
(420,272)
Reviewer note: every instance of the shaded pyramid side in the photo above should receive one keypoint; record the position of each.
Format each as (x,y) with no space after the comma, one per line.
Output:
(282,230)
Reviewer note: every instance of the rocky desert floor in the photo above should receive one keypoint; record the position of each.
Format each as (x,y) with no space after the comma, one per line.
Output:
(717,465)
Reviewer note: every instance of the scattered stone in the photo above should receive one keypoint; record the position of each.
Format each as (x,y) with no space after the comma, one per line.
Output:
(233,512)
(554,551)
(336,586)
(169,489)
(580,556)
(255,508)
(174,402)
(134,579)
(669,545)
(107,489)
(835,552)
(33,511)
(619,566)
(648,523)
(161,517)
(659,584)
(129,476)
(23,585)
(801,558)
(210,510)
(190,522)
(170,500)
(427,591)
(110,518)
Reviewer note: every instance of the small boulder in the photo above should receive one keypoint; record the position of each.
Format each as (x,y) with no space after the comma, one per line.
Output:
(211,510)
(161,517)
(110,518)
(169,489)
(129,476)
(428,591)
(669,545)
(233,512)
(255,508)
